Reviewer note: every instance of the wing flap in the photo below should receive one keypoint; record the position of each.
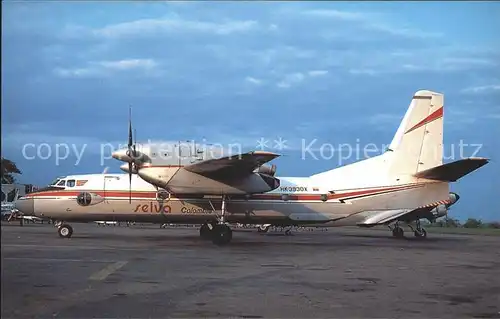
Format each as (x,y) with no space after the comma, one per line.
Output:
(451,172)
(237,165)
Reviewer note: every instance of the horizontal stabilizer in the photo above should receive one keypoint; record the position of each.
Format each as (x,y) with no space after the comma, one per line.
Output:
(451,172)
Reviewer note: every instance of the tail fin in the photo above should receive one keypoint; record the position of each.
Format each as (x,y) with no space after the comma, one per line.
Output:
(418,143)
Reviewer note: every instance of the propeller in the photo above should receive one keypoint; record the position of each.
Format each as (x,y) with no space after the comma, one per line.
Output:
(131,154)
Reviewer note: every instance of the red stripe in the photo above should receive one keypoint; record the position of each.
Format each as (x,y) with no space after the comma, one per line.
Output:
(152,194)
(335,196)
(433,116)
(102,193)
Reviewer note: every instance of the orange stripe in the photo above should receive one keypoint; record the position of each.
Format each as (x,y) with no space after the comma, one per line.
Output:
(433,116)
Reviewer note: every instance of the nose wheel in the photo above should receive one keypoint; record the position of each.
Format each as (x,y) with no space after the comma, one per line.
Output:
(220,233)
(65,230)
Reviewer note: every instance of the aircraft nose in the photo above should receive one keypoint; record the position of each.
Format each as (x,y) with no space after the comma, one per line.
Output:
(120,155)
(25,205)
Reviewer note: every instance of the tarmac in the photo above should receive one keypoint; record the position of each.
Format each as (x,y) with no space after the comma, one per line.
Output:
(149,272)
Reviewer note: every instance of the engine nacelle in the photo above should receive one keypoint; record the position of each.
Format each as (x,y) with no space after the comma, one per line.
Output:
(439,211)
(88,199)
(124,168)
(266,169)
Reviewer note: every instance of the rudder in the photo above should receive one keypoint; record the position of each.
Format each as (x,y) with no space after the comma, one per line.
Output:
(418,143)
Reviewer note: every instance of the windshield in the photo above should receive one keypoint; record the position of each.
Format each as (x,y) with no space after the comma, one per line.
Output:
(57,180)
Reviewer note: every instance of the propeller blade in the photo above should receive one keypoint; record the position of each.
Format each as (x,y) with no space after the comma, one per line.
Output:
(135,139)
(130,182)
(130,127)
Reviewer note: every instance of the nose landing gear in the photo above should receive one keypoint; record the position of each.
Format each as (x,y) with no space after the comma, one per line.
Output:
(64,230)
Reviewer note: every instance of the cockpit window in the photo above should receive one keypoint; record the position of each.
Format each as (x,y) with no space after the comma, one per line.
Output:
(71,183)
(54,182)
(61,183)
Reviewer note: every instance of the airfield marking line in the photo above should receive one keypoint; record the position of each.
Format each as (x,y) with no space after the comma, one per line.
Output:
(59,259)
(108,270)
(45,247)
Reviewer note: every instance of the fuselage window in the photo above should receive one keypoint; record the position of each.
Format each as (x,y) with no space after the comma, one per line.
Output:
(61,183)
(71,183)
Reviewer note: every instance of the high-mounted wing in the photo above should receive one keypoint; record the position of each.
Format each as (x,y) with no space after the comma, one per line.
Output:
(232,166)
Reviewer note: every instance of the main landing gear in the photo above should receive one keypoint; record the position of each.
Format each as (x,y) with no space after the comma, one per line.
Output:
(64,230)
(418,230)
(220,233)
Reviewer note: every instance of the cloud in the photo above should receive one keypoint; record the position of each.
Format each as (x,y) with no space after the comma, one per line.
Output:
(362,71)
(291,79)
(402,31)
(103,68)
(253,80)
(371,21)
(317,73)
(129,64)
(295,78)
(482,89)
(144,27)
(336,14)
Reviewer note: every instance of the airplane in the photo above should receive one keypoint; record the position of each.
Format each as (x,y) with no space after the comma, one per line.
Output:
(403,184)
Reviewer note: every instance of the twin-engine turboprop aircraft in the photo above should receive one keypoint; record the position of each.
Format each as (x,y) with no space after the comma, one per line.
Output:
(405,184)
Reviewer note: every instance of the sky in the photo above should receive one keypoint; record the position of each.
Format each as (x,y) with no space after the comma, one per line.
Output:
(289,73)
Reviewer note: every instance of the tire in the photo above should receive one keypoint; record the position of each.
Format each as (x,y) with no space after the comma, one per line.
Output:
(65,231)
(205,232)
(398,232)
(422,234)
(221,235)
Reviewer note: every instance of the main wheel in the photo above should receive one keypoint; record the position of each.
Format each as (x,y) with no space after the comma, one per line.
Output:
(421,234)
(398,232)
(65,231)
(221,234)
(205,231)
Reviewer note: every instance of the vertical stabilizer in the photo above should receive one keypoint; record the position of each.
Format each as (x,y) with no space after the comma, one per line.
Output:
(418,143)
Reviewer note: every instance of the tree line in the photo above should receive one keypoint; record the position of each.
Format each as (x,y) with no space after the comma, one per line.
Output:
(448,222)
